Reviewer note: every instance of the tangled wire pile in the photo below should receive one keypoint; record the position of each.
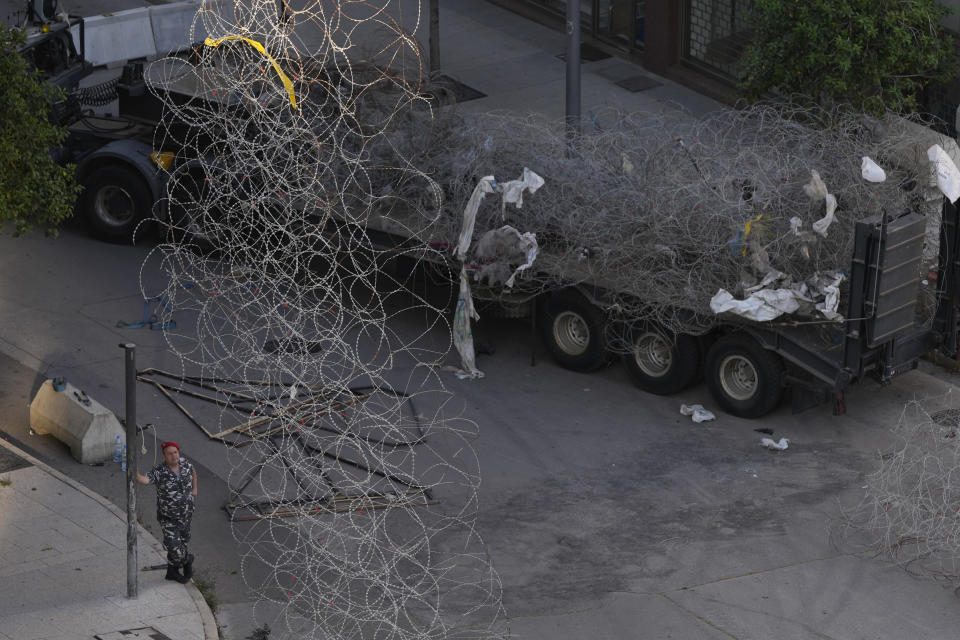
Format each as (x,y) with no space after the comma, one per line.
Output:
(665,210)
(290,323)
(911,506)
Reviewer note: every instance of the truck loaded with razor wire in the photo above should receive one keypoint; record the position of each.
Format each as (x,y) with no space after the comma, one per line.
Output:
(764,250)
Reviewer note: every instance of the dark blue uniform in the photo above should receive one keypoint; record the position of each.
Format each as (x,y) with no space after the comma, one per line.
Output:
(175,505)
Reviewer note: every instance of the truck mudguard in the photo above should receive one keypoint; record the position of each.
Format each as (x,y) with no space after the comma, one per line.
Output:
(130,153)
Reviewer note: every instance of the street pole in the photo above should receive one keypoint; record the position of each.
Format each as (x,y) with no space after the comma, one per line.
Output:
(130,371)
(573,73)
(434,37)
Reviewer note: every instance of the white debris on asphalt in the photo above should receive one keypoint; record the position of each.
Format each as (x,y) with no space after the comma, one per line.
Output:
(774,446)
(696,412)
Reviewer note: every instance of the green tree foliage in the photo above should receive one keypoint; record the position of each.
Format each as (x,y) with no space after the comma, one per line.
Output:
(34,190)
(874,55)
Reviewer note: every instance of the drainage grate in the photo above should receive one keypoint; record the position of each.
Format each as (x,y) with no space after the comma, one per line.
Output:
(637,83)
(946,418)
(10,461)
(616,71)
(588,53)
(460,91)
(143,633)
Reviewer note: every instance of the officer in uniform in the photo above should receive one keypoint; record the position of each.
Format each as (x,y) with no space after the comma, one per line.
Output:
(176,482)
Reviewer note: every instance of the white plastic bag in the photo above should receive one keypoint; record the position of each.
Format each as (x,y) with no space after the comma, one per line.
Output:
(696,412)
(871,171)
(487,184)
(831,300)
(462,333)
(821,225)
(795,224)
(506,246)
(762,305)
(773,445)
(513,190)
(815,189)
(948,176)
(783,300)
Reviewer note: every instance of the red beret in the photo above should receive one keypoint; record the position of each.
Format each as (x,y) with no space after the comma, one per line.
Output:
(171,443)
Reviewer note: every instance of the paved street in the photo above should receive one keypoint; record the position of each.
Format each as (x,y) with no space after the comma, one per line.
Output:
(606,513)
(602,507)
(63,555)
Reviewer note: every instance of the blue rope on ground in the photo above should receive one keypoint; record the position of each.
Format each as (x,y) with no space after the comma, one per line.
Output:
(150,318)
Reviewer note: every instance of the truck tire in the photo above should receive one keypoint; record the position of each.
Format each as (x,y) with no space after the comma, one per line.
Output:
(662,363)
(744,378)
(114,201)
(187,193)
(573,330)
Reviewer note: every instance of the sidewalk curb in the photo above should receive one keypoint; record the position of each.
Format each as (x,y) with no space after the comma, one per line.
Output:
(209,623)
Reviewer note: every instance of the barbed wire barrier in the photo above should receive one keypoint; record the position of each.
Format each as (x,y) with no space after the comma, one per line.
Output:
(910,511)
(661,211)
(664,210)
(285,314)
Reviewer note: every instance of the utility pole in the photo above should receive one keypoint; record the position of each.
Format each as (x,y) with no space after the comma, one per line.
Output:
(434,37)
(130,372)
(573,73)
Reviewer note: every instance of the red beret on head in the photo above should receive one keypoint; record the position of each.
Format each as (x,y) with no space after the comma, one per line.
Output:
(171,443)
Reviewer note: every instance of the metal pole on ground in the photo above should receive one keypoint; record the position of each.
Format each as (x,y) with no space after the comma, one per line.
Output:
(573,73)
(130,372)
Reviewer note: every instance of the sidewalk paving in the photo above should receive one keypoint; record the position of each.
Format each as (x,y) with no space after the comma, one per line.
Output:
(63,566)
(515,62)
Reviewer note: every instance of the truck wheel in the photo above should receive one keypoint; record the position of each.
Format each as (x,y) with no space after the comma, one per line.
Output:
(661,363)
(573,330)
(190,213)
(743,377)
(115,200)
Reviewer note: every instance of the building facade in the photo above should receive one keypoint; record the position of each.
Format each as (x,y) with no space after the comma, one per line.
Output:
(699,42)
(706,36)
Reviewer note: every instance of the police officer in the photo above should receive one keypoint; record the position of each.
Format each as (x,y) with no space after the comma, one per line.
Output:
(176,482)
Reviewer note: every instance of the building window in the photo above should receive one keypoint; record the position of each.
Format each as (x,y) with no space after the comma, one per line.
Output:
(716,33)
(619,22)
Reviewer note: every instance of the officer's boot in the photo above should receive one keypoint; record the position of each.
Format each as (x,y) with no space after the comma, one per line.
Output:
(173,573)
(188,567)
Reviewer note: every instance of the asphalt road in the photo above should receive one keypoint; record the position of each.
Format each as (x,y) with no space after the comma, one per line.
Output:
(590,488)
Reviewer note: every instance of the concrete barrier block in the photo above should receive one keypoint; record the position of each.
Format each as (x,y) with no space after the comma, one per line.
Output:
(112,39)
(88,428)
(120,36)
(171,26)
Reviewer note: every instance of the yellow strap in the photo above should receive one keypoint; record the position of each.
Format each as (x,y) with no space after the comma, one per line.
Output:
(746,231)
(210,42)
